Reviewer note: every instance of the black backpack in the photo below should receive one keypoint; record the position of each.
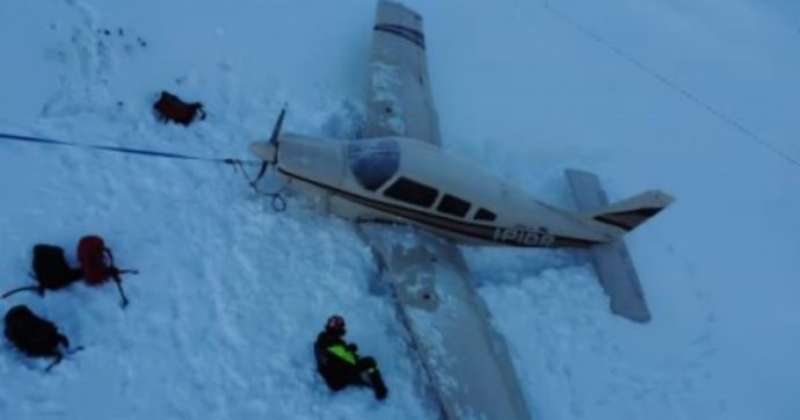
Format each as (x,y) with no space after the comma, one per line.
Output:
(50,270)
(34,336)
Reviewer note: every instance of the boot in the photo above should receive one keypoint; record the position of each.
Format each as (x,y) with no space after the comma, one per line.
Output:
(376,382)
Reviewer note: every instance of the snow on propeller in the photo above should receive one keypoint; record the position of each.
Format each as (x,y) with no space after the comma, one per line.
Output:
(397,174)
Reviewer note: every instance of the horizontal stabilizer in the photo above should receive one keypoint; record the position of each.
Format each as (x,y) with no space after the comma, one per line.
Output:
(618,277)
(613,264)
(633,211)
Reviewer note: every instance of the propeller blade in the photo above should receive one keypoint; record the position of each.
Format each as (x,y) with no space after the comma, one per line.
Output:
(261,172)
(276,131)
(268,152)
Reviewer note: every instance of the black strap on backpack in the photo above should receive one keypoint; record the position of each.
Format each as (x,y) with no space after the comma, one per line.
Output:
(60,356)
(37,289)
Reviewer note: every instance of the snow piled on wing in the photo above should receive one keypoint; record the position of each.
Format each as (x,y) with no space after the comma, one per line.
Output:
(386,82)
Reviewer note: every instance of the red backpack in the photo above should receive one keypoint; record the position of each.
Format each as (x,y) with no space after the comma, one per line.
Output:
(95,259)
(97,264)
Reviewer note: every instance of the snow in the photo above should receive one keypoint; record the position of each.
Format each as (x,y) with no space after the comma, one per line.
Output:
(697,98)
(384,78)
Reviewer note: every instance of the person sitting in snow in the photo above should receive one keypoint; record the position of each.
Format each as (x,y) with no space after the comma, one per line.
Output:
(339,363)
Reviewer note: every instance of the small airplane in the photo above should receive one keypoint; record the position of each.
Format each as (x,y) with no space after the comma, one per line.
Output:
(398,174)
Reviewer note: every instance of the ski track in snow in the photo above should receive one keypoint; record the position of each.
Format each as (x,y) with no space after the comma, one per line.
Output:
(231,295)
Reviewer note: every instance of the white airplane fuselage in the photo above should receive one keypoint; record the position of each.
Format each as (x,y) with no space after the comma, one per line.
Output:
(402,180)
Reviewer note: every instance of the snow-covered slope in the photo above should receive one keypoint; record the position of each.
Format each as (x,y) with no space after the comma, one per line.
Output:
(695,97)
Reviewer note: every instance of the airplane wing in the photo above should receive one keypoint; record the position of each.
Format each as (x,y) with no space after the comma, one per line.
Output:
(400,101)
(467,362)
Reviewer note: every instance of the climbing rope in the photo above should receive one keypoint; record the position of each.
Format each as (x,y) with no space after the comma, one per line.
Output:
(278,201)
(151,153)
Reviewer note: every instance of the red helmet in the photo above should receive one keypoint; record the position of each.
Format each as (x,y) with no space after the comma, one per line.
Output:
(335,324)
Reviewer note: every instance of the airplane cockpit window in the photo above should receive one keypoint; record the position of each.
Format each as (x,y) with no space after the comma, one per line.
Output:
(373,162)
(453,205)
(484,214)
(412,192)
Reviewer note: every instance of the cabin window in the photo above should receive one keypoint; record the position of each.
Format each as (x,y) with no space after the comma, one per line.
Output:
(453,205)
(412,192)
(484,214)
(373,163)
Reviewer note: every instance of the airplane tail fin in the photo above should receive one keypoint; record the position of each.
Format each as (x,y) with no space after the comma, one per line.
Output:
(615,270)
(631,212)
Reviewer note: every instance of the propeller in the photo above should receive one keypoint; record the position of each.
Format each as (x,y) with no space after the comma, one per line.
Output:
(269,152)
(276,131)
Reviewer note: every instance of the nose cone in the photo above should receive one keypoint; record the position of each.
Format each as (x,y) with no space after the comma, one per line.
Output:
(316,159)
(265,151)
